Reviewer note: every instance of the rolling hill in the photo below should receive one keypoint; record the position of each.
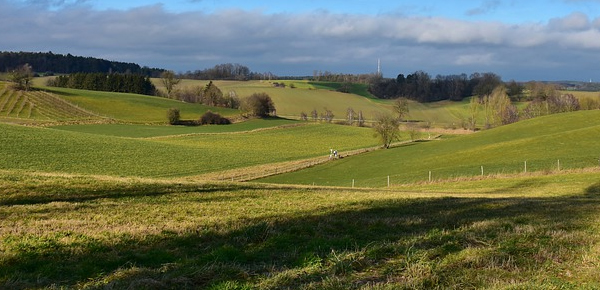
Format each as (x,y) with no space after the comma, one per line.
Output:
(566,140)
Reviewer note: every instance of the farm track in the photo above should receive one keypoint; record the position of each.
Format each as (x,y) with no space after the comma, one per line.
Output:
(228,133)
(265,170)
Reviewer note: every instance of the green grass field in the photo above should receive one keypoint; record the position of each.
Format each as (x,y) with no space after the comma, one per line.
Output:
(569,139)
(307,96)
(146,131)
(65,231)
(53,150)
(134,108)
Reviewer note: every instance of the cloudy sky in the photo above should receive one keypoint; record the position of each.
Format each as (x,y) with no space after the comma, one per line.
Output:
(521,40)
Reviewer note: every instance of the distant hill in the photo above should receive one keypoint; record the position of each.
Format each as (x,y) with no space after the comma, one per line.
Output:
(43,62)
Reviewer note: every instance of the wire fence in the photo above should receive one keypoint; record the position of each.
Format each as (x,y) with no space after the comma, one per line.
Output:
(525,167)
(262,171)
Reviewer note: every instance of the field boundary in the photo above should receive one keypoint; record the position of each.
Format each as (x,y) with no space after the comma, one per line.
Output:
(265,170)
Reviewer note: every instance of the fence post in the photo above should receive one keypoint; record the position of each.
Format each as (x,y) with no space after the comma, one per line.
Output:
(388,181)
(352,183)
(429,176)
(558,165)
(525,166)
(482,171)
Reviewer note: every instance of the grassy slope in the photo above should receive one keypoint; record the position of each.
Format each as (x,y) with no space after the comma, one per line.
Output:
(62,151)
(86,232)
(319,95)
(570,138)
(289,102)
(304,98)
(132,107)
(38,106)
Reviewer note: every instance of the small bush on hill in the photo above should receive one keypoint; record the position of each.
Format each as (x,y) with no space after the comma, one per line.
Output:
(210,118)
(174,116)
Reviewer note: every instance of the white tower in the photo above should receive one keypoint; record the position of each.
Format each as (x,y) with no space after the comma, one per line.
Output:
(379,67)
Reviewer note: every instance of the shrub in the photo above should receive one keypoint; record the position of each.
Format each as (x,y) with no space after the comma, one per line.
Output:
(174,116)
(210,118)
(259,105)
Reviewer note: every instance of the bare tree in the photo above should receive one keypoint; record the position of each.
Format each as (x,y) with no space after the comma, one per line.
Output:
(170,81)
(328,115)
(350,116)
(401,107)
(303,116)
(386,129)
(314,114)
(361,119)
(474,112)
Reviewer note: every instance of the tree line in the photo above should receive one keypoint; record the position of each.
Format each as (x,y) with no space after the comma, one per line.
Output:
(48,62)
(226,71)
(421,87)
(114,82)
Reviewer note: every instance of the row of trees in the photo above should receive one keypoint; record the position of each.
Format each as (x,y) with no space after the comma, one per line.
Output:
(123,83)
(209,95)
(66,64)
(227,71)
(256,105)
(327,76)
(420,86)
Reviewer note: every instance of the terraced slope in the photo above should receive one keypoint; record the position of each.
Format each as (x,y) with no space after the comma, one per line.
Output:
(39,105)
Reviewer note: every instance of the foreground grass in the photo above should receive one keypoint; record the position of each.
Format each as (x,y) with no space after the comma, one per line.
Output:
(108,233)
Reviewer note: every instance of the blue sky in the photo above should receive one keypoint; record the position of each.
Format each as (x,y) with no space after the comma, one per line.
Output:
(513,11)
(522,40)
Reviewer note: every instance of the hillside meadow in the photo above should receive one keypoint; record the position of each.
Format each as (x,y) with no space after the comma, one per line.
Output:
(94,232)
(548,143)
(53,150)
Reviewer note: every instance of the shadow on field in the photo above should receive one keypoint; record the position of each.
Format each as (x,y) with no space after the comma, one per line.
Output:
(43,194)
(385,237)
(523,185)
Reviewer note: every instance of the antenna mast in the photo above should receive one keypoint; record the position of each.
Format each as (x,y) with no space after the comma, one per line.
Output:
(379,67)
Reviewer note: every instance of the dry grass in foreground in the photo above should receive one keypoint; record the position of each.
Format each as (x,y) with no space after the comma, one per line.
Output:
(114,233)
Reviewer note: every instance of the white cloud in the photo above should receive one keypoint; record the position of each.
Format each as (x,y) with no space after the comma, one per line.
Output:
(475,59)
(575,21)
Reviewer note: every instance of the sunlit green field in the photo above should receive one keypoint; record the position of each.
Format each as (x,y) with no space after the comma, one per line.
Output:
(132,107)
(71,231)
(146,131)
(306,97)
(542,144)
(52,150)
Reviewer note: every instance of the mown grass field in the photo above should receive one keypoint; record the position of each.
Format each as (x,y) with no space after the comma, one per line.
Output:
(306,97)
(52,150)
(116,233)
(570,139)
(147,131)
(134,108)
